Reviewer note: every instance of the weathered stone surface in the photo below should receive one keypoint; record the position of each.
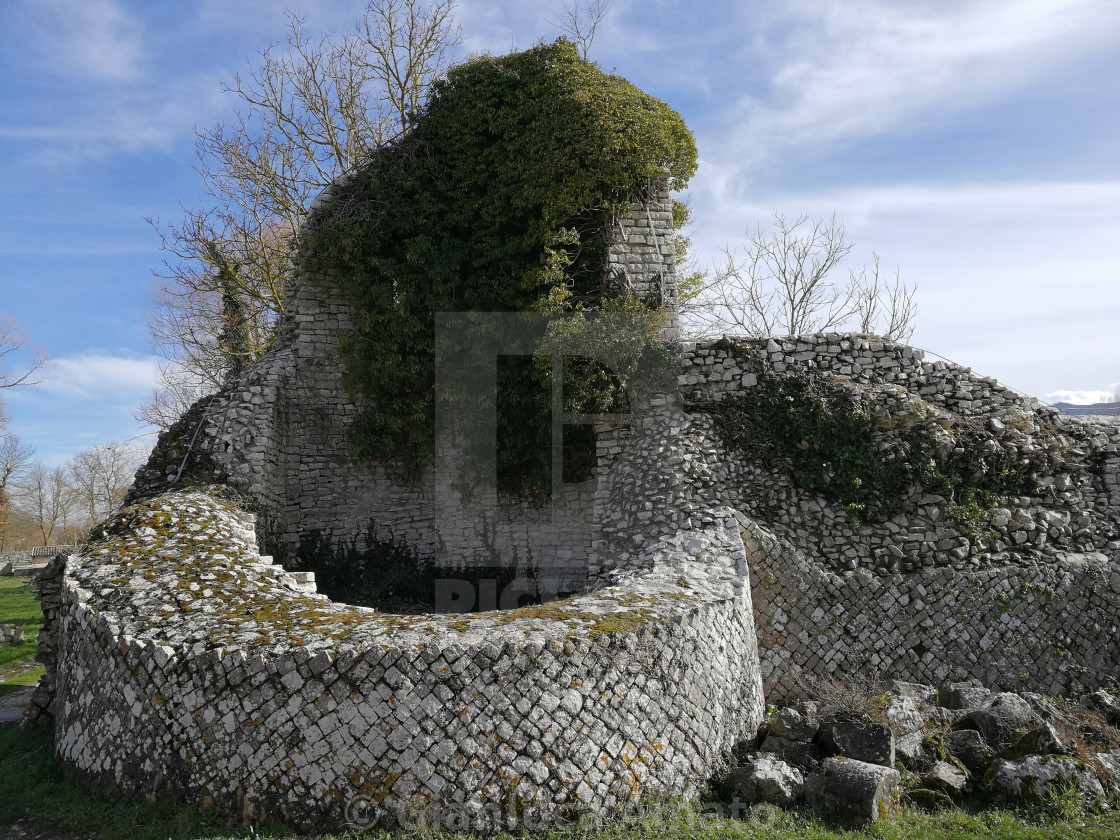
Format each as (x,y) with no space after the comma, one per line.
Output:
(1106,703)
(1042,705)
(914,597)
(970,748)
(853,792)
(768,779)
(946,778)
(1108,767)
(805,755)
(194,666)
(921,694)
(911,751)
(963,695)
(791,724)
(1044,740)
(1002,719)
(938,717)
(1032,777)
(903,716)
(859,737)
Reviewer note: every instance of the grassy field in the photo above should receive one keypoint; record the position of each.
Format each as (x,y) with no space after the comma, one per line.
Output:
(18,606)
(35,787)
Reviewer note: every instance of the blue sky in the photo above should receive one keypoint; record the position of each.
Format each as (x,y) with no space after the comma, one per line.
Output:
(976,145)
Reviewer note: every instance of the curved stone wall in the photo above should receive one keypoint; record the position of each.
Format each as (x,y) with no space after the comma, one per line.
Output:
(187,665)
(1050,627)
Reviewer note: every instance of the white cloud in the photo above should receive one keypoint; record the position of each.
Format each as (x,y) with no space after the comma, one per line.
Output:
(97,376)
(87,39)
(842,71)
(1001,221)
(1017,280)
(112,122)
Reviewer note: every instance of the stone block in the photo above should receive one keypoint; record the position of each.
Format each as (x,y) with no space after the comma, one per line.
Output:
(1031,778)
(1001,719)
(767,779)
(853,793)
(857,736)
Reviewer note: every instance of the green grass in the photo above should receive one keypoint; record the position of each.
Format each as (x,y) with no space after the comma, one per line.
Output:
(35,786)
(18,606)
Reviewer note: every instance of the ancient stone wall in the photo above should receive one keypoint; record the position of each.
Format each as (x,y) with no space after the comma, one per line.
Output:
(185,665)
(642,255)
(181,663)
(1035,604)
(280,434)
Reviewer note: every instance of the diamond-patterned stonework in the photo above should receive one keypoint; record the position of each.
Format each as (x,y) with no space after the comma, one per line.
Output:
(187,666)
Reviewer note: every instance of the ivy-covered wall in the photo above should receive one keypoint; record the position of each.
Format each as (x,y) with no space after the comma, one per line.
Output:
(281,434)
(931,525)
(503,197)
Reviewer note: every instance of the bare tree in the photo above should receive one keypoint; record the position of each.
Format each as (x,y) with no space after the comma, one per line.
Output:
(886,308)
(310,111)
(783,285)
(100,476)
(14,459)
(13,339)
(44,494)
(580,19)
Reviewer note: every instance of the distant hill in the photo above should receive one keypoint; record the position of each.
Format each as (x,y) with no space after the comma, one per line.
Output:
(1111,408)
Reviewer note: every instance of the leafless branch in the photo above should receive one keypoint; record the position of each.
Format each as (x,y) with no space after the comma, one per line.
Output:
(783,284)
(311,110)
(30,371)
(580,19)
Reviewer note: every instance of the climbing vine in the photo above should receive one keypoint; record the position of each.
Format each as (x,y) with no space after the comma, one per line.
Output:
(496,201)
(830,443)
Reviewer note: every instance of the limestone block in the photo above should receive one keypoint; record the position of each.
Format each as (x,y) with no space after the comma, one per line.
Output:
(767,779)
(853,792)
(1001,718)
(1043,740)
(946,778)
(1031,778)
(963,696)
(857,736)
(803,754)
(910,750)
(903,716)
(791,724)
(970,748)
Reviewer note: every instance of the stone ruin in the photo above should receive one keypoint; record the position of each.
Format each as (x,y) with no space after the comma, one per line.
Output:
(182,662)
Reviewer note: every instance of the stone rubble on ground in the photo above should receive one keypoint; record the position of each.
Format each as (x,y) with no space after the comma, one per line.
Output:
(10,634)
(942,761)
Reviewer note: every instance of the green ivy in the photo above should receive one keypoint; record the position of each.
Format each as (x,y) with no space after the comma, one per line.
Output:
(496,201)
(829,444)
